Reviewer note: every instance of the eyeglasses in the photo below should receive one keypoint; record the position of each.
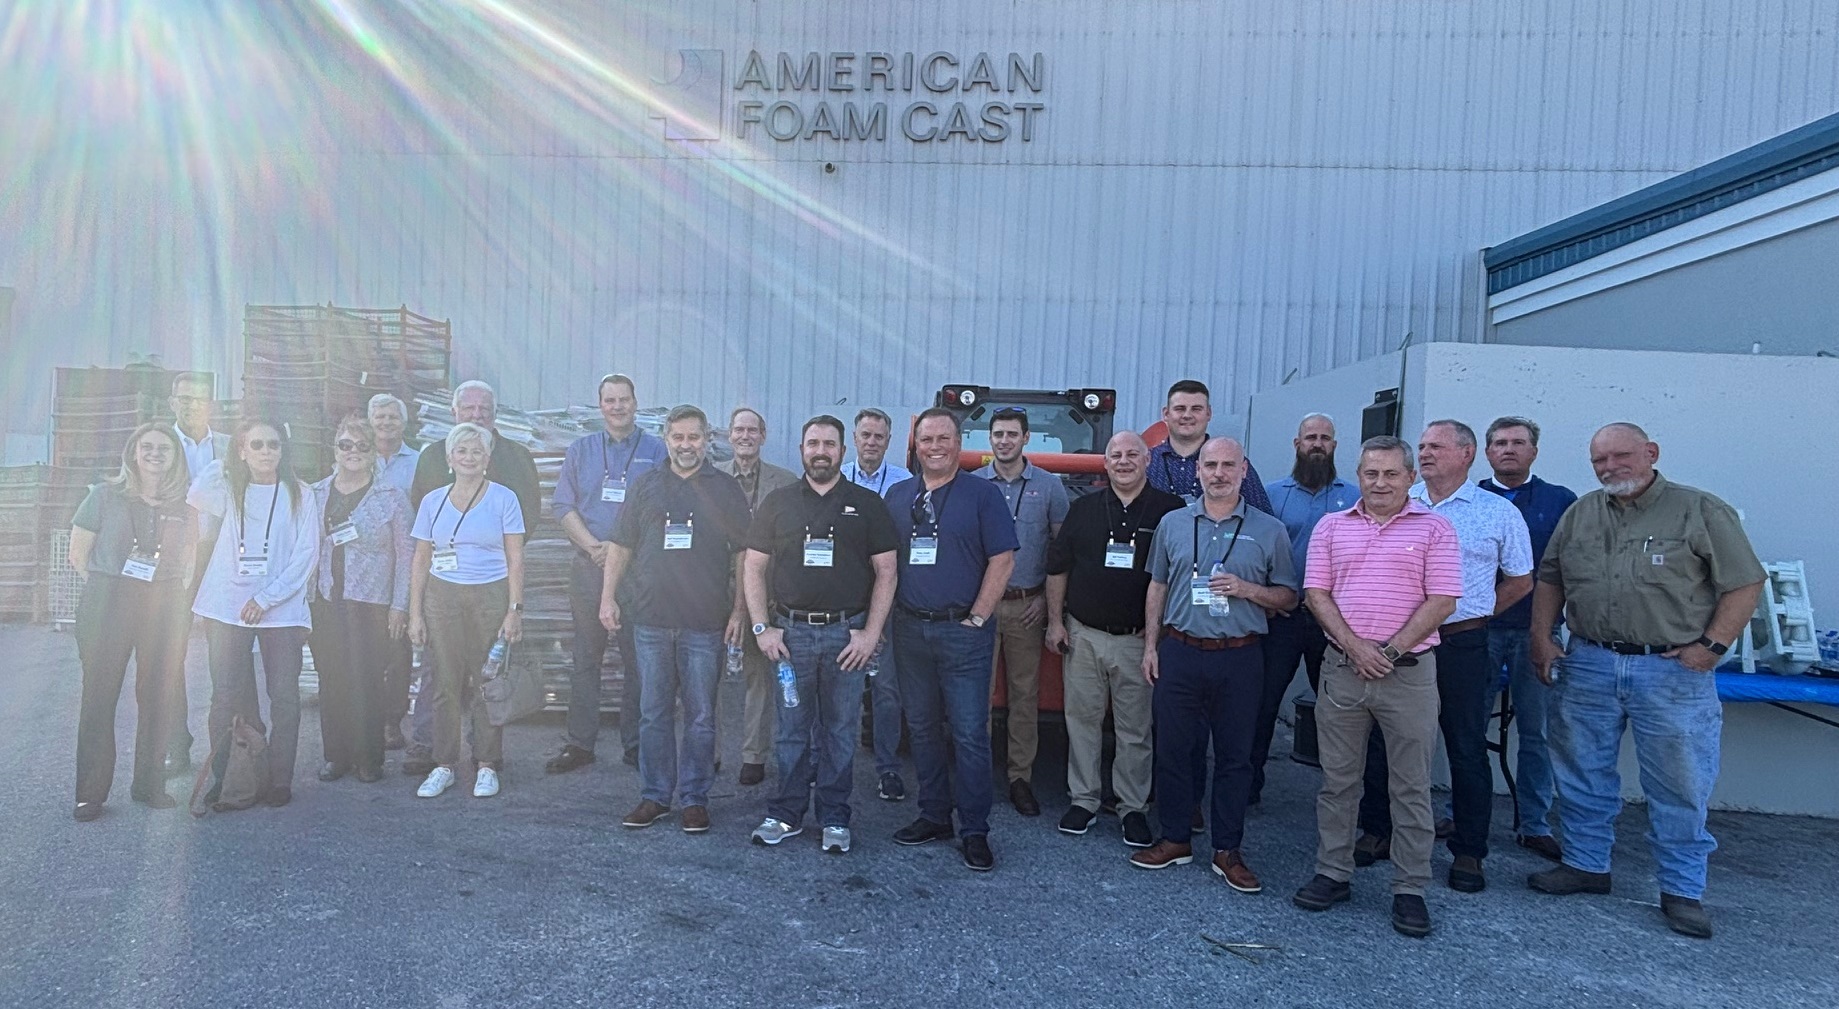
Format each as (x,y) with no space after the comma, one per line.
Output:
(258,444)
(1009,411)
(347,445)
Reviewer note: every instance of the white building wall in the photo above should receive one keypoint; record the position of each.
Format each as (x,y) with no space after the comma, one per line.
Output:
(1734,425)
(1239,191)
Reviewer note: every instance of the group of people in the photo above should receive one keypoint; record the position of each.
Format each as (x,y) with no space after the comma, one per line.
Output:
(1182,594)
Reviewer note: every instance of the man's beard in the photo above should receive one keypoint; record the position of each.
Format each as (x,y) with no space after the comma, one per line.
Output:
(821,469)
(1313,470)
(1620,488)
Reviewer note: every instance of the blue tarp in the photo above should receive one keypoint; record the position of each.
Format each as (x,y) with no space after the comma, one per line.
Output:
(1770,687)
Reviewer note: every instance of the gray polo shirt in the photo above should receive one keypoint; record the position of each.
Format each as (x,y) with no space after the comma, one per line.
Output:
(1256,548)
(1037,502)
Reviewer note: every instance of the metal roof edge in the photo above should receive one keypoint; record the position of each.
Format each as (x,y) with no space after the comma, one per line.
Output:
(1776,162)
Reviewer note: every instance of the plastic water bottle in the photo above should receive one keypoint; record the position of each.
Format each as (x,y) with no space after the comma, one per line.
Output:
(1220,604)
(734,661)
(788,684)
(874,662)
(494,661)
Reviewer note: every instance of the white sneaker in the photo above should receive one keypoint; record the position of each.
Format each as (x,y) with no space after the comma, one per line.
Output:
(836,840)
(485,783)
(439,780)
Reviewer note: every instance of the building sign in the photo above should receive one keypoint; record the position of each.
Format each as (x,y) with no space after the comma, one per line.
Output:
(938,97)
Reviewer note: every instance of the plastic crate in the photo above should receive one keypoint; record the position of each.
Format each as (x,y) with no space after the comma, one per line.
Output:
(63,588)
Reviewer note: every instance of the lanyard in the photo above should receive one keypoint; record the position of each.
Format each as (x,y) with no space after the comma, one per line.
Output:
(242,519)
(135,505)
(1020,494)
(463,512)
(1123,530)
(1240,525)
(608,470)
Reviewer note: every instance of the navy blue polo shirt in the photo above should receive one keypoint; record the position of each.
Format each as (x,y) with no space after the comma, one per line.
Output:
(972,523)
(1541,504)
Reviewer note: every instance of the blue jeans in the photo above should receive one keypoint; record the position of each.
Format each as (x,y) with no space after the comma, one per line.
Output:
(677,666)
(823,729)
(1532,783)
(1676,718)
(884,697)
(945,688)
(233,690)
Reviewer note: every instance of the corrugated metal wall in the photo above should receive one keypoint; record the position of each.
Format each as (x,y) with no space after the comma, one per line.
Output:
(1231,190)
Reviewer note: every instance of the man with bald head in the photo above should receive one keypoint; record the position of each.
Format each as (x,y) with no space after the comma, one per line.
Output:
(1656,580)
(1097,581)
(1215,567)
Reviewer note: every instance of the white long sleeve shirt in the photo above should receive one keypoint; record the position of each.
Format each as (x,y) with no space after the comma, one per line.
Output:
(289,542)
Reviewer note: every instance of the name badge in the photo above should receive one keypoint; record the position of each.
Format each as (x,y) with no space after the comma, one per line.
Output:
(445,561)
(252,567)
(140,567)
(820,553)
(677,537)
(1199,592)
(925,550)
(613,490)
(1120,555)
(343,533)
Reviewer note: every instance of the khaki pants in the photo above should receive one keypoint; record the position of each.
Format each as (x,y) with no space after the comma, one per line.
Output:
(463,621)
(1404,705)
(1018,656)
(1106,667)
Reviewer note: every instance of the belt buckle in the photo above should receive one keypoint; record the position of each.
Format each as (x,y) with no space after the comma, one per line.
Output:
(811,619)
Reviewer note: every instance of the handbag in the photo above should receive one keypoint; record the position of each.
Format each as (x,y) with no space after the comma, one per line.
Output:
(515,692)
(240,760)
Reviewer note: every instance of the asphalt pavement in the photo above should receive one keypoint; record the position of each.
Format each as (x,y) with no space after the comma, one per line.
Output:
(364,895)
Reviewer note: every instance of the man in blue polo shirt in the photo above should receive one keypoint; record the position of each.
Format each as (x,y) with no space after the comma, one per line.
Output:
(590,491)
(957,550)
(1512,447)
(1312,490)
(1174,465)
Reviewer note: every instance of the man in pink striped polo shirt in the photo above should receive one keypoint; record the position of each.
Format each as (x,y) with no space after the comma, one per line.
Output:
(1381,577)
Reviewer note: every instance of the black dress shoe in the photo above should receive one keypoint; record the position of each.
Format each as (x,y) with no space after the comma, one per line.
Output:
(87,811)
(1077,820)
(1543,845)
(1686,916)
(977,856)
(571,758)
(752,774)
(1136,831)
(1563,881)
(369,775)
(332,770)
(922,830)
(1369,849)
(1410,916)
(1321,893)
(278,795)
(1465,875)
(177,763)
(1022,798)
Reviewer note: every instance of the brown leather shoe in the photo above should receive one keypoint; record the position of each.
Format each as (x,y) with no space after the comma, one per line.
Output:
(645,814)
(1163,855)
(1231,867)
(694,819)
(1543,845)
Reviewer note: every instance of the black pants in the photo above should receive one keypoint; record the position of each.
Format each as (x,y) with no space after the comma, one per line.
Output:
(589,652)
(1201,697)
(351,648)
(117,619)
(396,679)
(1291,638)
(1464,680)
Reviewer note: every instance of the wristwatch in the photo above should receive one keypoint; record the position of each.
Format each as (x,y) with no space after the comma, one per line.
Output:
(1713,646)
(517,607)
(1391,653)
(759,629)
(977,619)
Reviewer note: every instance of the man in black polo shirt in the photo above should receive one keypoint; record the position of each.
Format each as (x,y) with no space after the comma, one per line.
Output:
(681,533)
(957,548)
(1096,585)
(831,547)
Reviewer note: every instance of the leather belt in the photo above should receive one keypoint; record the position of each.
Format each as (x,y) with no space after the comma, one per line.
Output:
(937,616)
(1630,648)
(815,618)
(1210,644)
(1115,630)
(1458,626)
(1013,594)
(1407,659)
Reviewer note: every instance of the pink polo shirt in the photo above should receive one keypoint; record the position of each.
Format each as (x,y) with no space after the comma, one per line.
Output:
(1380,572)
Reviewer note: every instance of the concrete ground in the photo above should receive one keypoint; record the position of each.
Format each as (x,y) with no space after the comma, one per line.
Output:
(363,895)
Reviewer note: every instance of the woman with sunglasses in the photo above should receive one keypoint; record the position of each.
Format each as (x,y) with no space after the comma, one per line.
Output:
(262,529)
(132,542)
(361,601)
(466,590)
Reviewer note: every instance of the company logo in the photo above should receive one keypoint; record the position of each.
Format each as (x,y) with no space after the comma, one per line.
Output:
(691,102)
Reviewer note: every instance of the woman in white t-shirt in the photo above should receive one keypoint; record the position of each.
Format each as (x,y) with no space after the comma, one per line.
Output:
(466,590)
(262,531)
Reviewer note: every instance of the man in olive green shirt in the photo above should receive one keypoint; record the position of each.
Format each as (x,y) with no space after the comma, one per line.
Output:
(1656,580)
